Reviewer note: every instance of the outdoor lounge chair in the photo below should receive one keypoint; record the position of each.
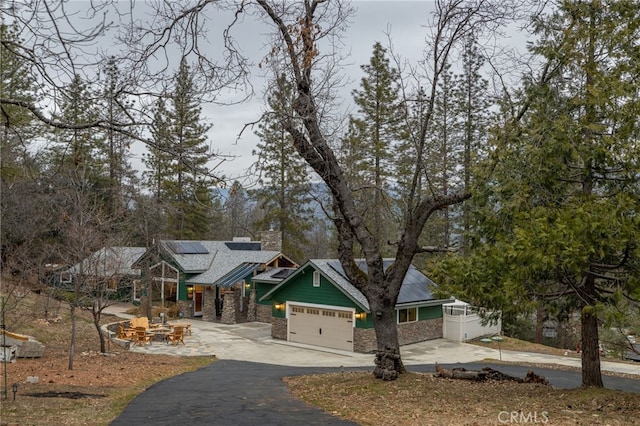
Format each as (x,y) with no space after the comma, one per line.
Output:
(125,333)
(177,336)
(141,337)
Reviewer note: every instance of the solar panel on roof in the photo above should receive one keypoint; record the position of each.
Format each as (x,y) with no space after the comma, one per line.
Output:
(187,247)
(283,273)
(243,245)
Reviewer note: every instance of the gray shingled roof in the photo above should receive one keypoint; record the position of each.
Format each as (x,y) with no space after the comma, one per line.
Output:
(220,260)
(340,280)
(109,261)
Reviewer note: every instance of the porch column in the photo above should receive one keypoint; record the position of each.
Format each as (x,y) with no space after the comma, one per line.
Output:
(251,311)
(209,303)
(228,307)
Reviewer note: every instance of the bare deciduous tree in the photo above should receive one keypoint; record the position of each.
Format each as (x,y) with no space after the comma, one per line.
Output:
(302,30)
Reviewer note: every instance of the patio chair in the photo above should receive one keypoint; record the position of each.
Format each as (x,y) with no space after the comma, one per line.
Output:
(176,336)
(125,333)
(141,337)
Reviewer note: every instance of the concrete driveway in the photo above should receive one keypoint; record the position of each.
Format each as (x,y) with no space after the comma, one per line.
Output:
(252,342)
(245,387)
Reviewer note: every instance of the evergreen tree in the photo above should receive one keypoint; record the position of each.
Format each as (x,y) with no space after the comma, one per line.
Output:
(239,212)
(370,145)
(178,174)
(473,106)
(117,144)
(18,127)
(558,215)
(77,156)
(444,155)
(284,193)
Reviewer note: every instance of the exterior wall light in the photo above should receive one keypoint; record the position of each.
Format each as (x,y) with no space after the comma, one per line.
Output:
(360,316)
(279,306)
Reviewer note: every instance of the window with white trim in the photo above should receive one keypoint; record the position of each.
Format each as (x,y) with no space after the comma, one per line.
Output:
(316,279)
(407,315)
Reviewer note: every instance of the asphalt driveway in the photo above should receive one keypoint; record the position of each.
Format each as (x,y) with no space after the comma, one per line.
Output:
(240,393)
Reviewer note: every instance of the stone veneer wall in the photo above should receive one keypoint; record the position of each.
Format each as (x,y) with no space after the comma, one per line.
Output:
(228,307)
(209,303)
(419,331)
(263,313)
(364,339)
(279,328)
(251,310)
(186,307)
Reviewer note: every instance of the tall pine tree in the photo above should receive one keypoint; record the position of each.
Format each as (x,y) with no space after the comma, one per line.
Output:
(370,145)
(178,173)
(284,193)
(558,212)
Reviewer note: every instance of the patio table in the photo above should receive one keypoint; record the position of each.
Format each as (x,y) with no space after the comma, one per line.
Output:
(161,333)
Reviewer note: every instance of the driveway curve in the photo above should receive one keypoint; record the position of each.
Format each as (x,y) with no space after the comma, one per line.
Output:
(244,393)
(226,393)
(245,386)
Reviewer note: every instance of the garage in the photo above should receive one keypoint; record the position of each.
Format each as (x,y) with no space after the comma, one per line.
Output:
(330,328)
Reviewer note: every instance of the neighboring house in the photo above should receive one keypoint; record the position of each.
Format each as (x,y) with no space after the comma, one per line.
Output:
(210,279)
(317,305)
(109,267)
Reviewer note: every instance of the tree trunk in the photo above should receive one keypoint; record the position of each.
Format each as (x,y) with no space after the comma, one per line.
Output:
(591,374)
(540,315)
(72,344)
(388,361)
(96,323)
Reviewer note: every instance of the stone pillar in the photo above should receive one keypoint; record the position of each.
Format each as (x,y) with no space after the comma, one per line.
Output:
(228,307)
(209,303)
(251,312)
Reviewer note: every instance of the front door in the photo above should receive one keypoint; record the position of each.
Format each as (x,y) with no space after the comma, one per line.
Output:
(197,300)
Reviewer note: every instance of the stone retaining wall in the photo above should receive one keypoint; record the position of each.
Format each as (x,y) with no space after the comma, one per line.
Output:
(414,332)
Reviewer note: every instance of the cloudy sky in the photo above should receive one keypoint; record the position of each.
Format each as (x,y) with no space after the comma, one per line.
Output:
(404,20)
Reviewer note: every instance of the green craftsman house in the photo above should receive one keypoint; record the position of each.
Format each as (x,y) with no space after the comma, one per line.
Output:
(211,280)
(317,305)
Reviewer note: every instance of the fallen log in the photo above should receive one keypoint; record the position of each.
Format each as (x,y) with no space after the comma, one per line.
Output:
(486,374)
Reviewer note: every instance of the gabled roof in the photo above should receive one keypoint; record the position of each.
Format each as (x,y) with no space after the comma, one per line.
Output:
(109,261)
(415,287)
(218,262)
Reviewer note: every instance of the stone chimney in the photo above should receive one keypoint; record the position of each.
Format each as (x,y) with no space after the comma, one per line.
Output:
(271,240)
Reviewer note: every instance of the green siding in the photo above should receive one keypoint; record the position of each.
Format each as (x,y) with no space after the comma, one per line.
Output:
(261,290)
(301,289)
(429,312)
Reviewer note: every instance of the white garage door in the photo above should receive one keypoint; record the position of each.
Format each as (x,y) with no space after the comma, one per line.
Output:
(330,328)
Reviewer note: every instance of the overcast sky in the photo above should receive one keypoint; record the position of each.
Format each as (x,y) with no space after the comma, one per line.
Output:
(373,19)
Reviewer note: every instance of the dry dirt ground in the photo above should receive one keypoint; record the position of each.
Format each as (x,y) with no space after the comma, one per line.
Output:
(95,390)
